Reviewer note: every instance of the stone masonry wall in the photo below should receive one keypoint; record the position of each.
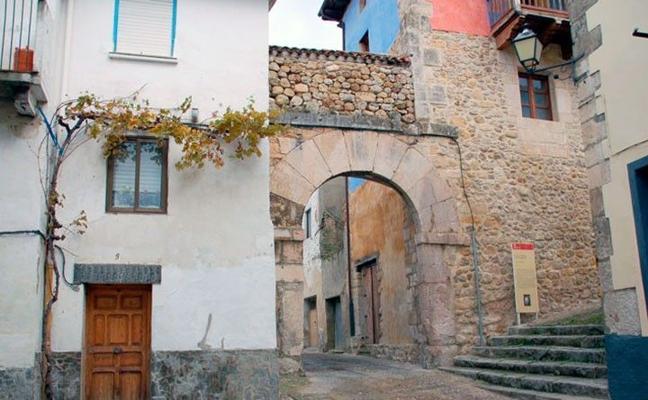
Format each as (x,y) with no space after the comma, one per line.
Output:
(526,179)
(336,82)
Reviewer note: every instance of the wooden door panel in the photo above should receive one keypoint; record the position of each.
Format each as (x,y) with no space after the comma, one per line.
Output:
(117,342)
(102,386)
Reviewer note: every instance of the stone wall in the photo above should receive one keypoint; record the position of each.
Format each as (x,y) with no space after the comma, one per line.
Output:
(525,179)
(335,82)
(380,226)
(227,375)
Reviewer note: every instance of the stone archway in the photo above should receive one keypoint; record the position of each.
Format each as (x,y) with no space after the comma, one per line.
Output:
(302,164)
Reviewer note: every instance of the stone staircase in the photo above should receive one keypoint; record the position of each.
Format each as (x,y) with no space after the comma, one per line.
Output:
(541,363)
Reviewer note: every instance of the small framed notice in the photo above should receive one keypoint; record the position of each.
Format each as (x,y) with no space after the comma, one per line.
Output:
(525,279)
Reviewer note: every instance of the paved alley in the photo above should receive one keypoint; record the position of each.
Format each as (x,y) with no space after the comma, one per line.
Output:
(342,377)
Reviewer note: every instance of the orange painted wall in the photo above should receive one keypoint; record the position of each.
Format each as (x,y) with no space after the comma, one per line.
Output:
(466,16)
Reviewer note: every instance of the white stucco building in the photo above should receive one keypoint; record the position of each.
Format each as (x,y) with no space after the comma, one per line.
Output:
(198,243)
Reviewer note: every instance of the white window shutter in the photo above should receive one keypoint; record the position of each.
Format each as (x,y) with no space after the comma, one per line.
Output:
(145,27)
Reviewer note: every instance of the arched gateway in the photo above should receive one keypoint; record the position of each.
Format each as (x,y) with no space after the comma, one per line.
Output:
(303,162)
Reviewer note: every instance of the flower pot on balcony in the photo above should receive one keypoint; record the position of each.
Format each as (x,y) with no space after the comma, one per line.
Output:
(23,60)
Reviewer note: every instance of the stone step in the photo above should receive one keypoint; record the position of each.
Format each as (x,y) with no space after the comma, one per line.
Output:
(558,330)
(556,368)
(587,341)
(530,394)
(543,353)
(596,388)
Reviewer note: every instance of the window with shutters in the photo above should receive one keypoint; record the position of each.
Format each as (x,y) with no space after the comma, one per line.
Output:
(137,177)
(145,27)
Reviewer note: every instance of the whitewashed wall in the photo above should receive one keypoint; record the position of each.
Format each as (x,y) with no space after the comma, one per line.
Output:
(22,202)
(215,242)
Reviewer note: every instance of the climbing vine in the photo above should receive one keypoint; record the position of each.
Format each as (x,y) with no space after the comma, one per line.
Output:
(237,133)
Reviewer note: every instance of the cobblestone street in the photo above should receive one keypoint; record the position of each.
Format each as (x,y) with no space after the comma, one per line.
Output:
(342,377)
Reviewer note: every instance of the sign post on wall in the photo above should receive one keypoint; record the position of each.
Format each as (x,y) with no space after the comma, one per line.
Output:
(525,280)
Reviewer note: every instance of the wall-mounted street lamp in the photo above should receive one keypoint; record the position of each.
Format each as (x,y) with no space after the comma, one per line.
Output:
(528,48)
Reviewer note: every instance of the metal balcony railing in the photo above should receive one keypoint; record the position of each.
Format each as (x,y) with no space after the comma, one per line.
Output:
(499,8)
(18,22)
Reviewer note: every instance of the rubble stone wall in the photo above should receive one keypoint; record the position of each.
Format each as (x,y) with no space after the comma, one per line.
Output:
(341,83)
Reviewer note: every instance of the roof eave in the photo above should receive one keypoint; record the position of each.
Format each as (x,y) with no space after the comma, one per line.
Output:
(333,10)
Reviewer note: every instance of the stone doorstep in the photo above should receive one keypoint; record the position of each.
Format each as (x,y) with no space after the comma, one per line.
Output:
(554,368)
(596,388)
(543,353)
(523,394)
(557,330)
(586,341)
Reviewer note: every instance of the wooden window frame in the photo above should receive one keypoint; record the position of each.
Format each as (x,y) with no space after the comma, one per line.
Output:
(530,78)
(110,208)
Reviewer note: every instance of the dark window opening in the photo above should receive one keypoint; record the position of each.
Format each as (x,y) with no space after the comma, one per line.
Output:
(535,96)
(307,228)
(137,177)
(364,43)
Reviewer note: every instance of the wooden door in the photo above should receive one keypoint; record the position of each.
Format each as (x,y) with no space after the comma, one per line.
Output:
(117,345)
(372,301)
(313,329)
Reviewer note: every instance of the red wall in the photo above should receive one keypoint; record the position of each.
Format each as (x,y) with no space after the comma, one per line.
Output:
(466,16)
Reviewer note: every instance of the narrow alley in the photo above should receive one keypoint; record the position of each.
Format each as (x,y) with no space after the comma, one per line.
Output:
(342,376)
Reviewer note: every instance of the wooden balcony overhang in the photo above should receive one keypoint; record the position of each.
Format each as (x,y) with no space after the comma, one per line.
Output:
(552,27)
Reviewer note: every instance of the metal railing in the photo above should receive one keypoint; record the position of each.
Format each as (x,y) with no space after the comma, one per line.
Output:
(18,22)
(499,8)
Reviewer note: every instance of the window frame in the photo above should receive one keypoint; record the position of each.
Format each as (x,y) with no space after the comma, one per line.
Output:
(115,35)
(530,78)
(110,208)
(308,226)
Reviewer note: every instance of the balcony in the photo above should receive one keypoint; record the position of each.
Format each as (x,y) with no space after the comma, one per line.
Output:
(19,80)
(549,18)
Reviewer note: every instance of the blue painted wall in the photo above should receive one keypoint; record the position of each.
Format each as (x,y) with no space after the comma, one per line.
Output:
(638,174)
(627,359)
(379,17)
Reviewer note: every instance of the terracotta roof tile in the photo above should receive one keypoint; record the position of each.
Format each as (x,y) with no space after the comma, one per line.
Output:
(339,55)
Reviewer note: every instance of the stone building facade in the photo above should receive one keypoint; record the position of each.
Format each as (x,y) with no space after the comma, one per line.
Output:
(611,100)
(516,178)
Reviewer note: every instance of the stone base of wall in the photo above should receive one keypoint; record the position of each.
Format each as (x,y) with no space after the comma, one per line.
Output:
(252,374)
(17,383)
(66,375)
(409,353)
(227,375)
